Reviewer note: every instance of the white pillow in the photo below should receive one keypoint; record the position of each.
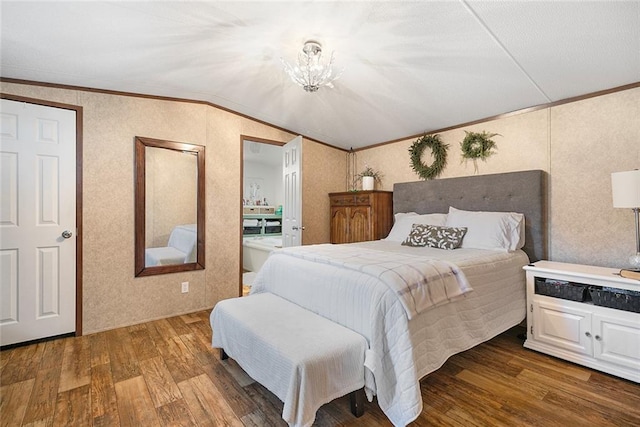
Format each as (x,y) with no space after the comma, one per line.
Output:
(489,230)
(404,222)
(399,215)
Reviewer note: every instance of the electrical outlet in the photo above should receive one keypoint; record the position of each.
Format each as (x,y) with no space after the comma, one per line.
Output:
(185,287)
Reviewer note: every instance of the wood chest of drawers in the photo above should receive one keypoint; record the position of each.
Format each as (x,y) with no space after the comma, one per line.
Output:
(360,216)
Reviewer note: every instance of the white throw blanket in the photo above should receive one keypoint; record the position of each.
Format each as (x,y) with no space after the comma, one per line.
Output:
(419,283)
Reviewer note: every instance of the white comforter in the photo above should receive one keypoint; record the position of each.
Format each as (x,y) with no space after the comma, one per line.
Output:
(401,350)
(418,282)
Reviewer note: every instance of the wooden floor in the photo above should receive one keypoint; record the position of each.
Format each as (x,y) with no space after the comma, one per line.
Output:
(164,373)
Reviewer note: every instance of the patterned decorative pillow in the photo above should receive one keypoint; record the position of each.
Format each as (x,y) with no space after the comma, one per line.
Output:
(435,236)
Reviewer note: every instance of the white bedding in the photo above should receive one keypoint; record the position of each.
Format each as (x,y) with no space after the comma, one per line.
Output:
(418,282)
(401,351)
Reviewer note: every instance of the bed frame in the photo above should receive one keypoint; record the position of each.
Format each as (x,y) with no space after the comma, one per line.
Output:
(523,192)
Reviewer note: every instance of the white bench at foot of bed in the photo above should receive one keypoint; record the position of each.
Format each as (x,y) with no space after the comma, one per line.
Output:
(301,357)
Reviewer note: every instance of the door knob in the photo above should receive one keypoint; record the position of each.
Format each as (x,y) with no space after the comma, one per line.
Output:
(66,234)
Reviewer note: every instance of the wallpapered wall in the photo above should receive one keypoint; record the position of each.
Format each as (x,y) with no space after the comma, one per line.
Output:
(579,144)
(324,171)
(112,297)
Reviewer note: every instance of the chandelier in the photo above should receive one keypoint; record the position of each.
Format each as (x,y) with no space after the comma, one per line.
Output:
(309,72)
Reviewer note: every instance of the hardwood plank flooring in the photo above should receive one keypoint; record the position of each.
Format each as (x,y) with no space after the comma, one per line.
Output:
(165,373)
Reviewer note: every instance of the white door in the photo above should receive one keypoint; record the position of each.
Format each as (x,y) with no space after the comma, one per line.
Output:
(37,222)
(292,207)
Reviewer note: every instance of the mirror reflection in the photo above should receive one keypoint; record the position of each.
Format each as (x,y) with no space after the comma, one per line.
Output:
(169,190)
(171,200)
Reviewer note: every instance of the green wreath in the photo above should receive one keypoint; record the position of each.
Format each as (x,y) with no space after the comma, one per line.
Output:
(478,145)
(438,150)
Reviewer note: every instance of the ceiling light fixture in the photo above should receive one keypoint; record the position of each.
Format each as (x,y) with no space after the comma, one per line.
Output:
(309,72)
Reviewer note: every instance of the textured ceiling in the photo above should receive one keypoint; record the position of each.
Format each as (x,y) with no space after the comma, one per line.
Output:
(409,67)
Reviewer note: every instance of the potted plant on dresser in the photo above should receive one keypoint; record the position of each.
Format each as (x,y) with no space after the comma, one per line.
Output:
(369,177)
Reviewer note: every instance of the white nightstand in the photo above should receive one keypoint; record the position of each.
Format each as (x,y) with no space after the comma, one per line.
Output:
(602,338)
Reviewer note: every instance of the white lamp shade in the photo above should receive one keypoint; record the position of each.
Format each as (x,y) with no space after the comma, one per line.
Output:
(626,189)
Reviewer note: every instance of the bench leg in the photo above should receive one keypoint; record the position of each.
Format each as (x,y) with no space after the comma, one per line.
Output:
(223,355)
(357,402)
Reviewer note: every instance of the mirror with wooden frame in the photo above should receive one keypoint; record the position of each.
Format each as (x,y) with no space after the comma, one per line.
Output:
(169,207)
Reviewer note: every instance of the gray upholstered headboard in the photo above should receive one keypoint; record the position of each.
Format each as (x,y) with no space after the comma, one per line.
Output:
(523,192)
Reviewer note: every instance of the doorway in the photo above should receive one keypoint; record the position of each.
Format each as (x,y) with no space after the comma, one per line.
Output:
(40,220)
(262,204)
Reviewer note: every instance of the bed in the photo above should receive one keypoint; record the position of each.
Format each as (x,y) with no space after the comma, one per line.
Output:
(406,345)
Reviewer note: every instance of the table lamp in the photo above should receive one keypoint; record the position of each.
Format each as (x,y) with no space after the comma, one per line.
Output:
(626,194)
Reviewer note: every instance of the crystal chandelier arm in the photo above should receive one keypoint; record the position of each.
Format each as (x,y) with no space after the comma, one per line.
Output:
(309,72)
